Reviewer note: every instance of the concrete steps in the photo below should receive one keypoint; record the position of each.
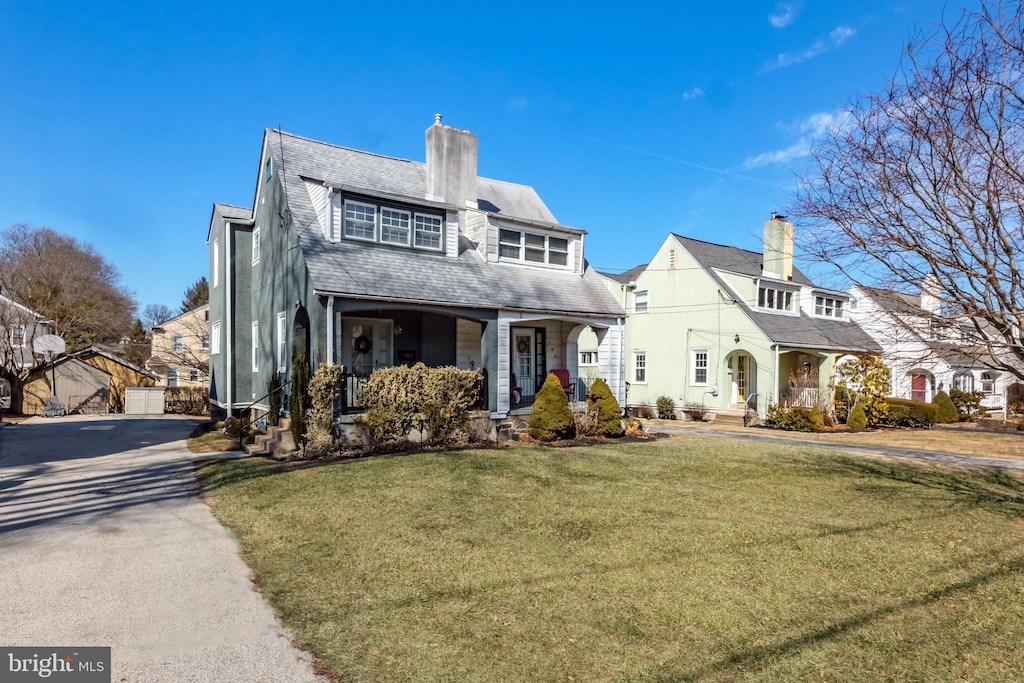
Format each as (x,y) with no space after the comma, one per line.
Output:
(277,440)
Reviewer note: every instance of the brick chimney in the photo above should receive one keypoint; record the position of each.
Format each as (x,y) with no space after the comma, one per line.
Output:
(778,248)
(451,165)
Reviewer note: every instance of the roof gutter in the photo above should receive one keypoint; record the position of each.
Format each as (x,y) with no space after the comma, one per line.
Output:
(457,304)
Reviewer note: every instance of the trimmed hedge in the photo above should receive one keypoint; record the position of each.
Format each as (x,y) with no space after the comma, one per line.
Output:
(906,413)
(795,419)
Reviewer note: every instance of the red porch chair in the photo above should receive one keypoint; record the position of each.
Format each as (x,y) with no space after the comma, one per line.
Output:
(568,387)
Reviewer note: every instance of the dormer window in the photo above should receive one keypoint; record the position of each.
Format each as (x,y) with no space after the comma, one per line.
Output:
(828,307)
(774,299)
(517,245)
(393,226)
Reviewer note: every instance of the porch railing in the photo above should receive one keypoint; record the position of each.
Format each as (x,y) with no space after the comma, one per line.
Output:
(525,393)
(799,397)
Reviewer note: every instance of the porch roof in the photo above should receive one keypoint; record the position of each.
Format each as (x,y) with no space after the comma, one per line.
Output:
(347,268)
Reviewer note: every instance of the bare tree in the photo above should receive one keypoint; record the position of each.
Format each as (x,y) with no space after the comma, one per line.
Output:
(926,178)
(66,281)
(155,314)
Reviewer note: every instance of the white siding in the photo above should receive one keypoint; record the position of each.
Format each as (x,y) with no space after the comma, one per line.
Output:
(451,234)
(467,345)
(318,196)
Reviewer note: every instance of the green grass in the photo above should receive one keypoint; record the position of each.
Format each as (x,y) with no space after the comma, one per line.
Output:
(679,560)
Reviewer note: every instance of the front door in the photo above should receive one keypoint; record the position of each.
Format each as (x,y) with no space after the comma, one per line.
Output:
(742,366)
(523,362)
(918,390)
(366,345)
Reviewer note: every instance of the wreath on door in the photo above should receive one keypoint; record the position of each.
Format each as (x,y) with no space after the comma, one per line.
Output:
(522,346)
(361,344)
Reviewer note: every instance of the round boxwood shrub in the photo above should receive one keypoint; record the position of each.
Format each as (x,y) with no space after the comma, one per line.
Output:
(947,410)
(609,412)
(551,417)
(858,420)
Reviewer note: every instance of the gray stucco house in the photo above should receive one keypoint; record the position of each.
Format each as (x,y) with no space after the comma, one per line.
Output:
(371,261)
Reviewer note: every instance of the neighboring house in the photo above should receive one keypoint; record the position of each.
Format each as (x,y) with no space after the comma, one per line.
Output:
(717,325)
(928,352)
(370,261)
(91,380)
(181,349)
(19,325)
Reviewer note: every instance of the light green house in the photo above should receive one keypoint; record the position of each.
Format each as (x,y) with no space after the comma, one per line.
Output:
(726,327)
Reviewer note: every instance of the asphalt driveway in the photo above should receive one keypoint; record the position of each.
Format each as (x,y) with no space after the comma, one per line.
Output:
(103,541)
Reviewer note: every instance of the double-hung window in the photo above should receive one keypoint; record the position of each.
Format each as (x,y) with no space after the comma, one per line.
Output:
(255,345)
(360,220)
(18,336)
(988,383)
(255,246)
(640,301)
(699,365)
(640,367)
(172,378)
(282,339)
(428,231)
(394,226)
(178,343)
(193,375)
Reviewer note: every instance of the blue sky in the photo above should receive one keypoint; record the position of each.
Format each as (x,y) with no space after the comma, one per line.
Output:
(122,123)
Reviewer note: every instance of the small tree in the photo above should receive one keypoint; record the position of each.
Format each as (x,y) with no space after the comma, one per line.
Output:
(197,294)
(864,381)
(947,410)
(968,404)
(609,412)
(324,390)
(550,417)
(298,398)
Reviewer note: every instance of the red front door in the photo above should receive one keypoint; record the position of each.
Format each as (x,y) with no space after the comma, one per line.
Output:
(918,384)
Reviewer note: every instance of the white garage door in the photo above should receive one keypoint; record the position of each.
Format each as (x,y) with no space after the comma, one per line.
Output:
(144,401)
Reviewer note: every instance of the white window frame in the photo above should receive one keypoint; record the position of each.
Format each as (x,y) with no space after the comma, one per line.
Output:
(768,294)
(365,208)
(15,330)
(216,262)
(417,217)
(171,377)
(396,214)
(988,383)
(522,247)
(698,355)
(828,306)
(282,339)
(588,359)
(177,343)
(255,245)
(964,381)
(641,301)
(255,345)
(215,338)
(640,366)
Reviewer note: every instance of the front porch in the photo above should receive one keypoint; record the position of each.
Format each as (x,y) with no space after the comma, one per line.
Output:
(512,352)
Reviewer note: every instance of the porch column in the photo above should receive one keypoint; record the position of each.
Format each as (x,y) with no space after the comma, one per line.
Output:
(494,355)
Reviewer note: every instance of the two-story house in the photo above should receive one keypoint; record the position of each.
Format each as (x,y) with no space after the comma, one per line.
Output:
(370,261)
(19,325)
(180,349)
(928,351)
(722,326)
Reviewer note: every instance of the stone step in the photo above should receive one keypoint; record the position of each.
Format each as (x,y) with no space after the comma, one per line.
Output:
(277,440)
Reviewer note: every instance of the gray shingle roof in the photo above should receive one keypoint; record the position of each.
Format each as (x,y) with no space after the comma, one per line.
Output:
(789,330)
(626,276)
(231,212)
(366,270)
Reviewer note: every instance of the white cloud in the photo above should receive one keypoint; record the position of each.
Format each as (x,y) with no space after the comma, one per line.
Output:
(784,14)
(692,94)
(837,37)
(814,126)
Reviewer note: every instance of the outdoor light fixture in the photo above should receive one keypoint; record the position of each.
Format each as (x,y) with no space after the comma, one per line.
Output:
(737,339)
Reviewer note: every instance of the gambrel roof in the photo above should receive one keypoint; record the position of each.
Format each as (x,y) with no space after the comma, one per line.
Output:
(361,270)
(788,330)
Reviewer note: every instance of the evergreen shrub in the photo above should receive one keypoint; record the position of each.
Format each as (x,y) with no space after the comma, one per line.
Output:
(795,419)
(947,410)
(906,413)
(550,417)
(857,420)
(666,408)
(609,412)
(324,391)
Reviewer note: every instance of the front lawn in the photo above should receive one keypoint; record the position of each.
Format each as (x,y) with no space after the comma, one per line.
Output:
(681,559)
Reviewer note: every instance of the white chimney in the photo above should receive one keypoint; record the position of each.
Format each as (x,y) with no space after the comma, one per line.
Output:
(930,300)
(451,165)
(778,248)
